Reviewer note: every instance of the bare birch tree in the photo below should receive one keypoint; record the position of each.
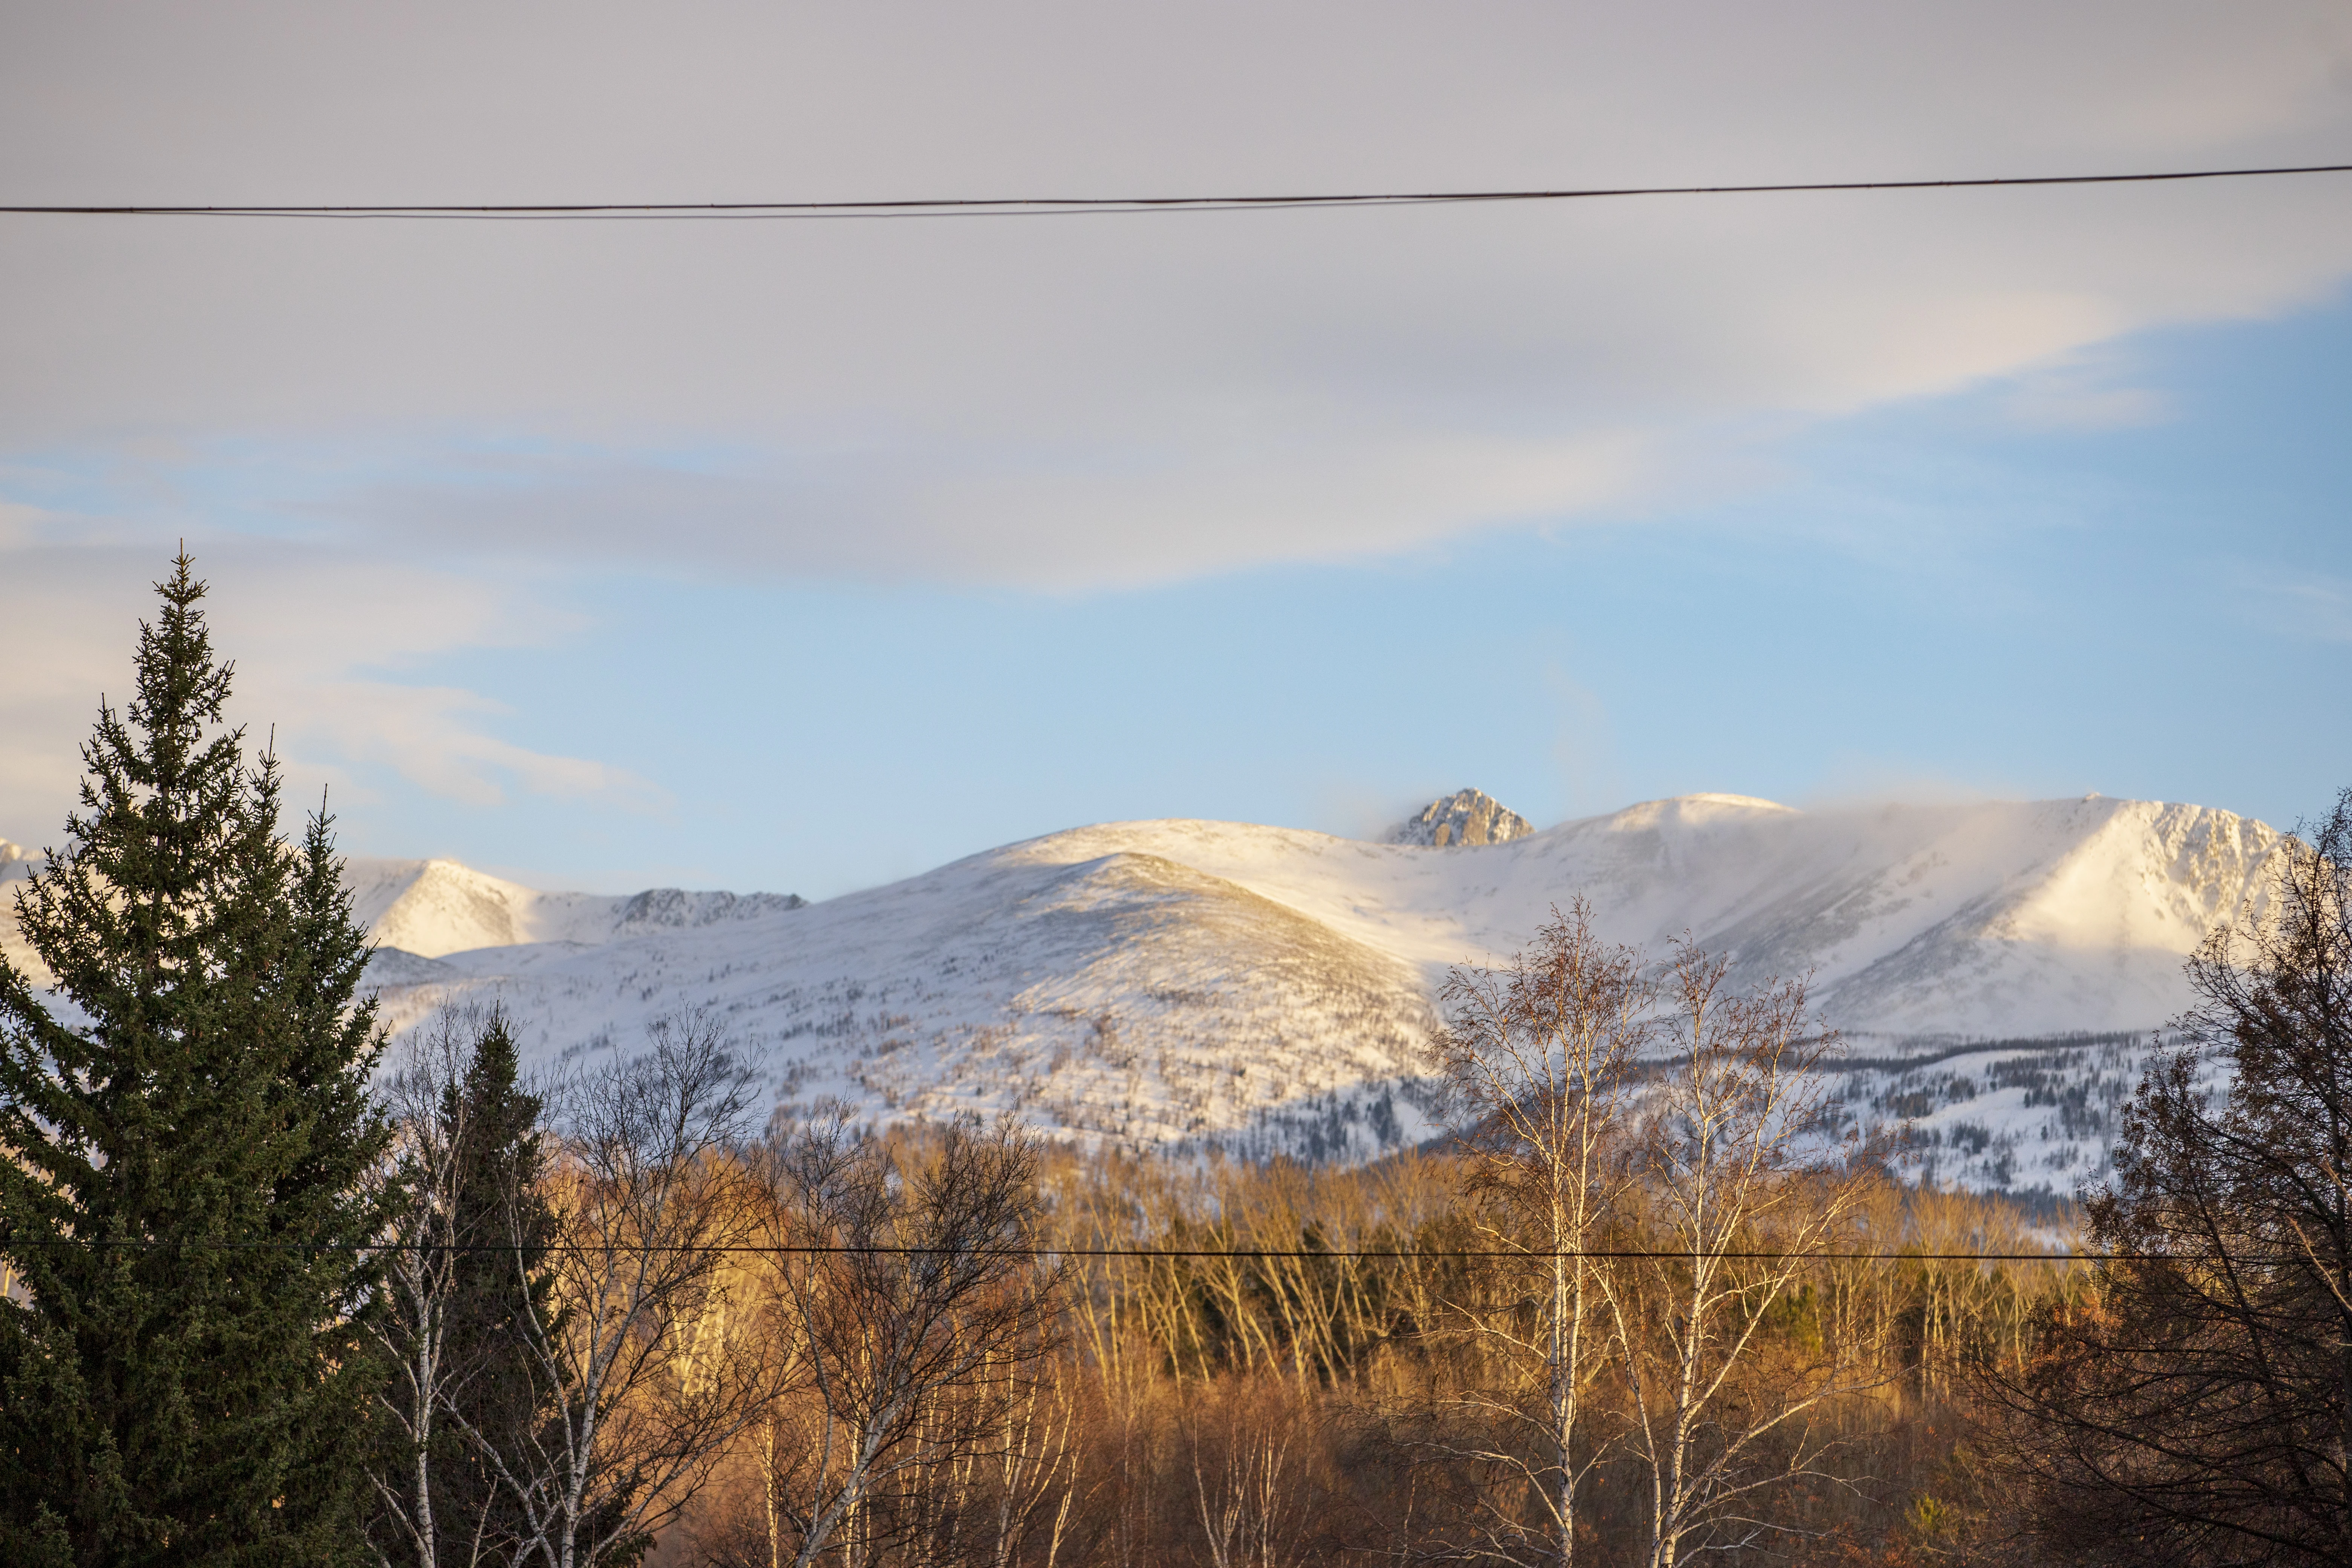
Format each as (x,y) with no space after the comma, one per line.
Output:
(1033,1465)
(421,1276)
(1744,1180)
(649,1354)
(1540,1058)
(1249,1493)
(911,1296)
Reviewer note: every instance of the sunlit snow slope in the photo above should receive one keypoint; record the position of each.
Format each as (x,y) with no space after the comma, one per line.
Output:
(1263,988)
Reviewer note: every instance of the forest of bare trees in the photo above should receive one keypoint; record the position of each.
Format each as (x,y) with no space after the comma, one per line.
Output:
(1313,1371)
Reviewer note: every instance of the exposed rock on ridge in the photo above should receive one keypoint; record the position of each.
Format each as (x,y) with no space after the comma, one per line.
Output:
(1464,818)
(677,907)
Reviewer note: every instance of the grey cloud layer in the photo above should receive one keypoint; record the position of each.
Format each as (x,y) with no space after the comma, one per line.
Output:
(1076,402)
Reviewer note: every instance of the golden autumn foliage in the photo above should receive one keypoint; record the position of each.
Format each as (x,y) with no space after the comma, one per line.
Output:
(1300,1370)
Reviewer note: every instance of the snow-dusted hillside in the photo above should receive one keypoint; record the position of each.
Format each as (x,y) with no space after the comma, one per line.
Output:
(2010,1115)
(1182,982)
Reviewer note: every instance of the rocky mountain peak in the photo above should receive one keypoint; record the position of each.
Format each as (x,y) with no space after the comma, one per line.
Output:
(1467,817)
(676,907)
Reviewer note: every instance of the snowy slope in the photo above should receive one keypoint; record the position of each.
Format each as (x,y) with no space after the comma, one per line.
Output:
(1189,983)
(1992,920)
(2017,1115)
(1126,995)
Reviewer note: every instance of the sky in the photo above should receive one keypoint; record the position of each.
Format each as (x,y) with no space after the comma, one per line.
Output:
(805,555)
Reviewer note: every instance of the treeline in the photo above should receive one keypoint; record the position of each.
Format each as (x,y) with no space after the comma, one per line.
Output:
(274,1299)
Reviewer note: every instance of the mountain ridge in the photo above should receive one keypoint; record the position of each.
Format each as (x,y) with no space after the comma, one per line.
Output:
(432,907)
(1186,983)
(1181,983)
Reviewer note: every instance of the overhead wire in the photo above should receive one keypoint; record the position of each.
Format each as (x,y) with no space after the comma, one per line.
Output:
(1052,206)
(815,1249)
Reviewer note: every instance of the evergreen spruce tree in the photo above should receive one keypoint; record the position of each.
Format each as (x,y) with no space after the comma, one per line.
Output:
(184,1152)
(488,1126)
(501,1207)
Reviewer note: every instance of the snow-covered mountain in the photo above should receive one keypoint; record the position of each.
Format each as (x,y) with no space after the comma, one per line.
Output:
(1181,983)
(432,907)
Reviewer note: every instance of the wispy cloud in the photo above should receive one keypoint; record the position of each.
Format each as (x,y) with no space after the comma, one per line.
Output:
(2082,393)
(317,636)
(2308,604)
(438,739)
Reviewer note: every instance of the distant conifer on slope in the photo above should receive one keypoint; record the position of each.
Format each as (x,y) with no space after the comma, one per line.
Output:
(185,1162)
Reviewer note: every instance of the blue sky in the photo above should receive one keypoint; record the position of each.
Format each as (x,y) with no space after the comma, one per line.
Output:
(805,560)
(1929,600)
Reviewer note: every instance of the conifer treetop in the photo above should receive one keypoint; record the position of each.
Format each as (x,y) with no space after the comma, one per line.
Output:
(185,1155)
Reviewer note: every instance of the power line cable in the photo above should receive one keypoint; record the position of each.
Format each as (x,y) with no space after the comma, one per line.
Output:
(811,1249)
(1067,206)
